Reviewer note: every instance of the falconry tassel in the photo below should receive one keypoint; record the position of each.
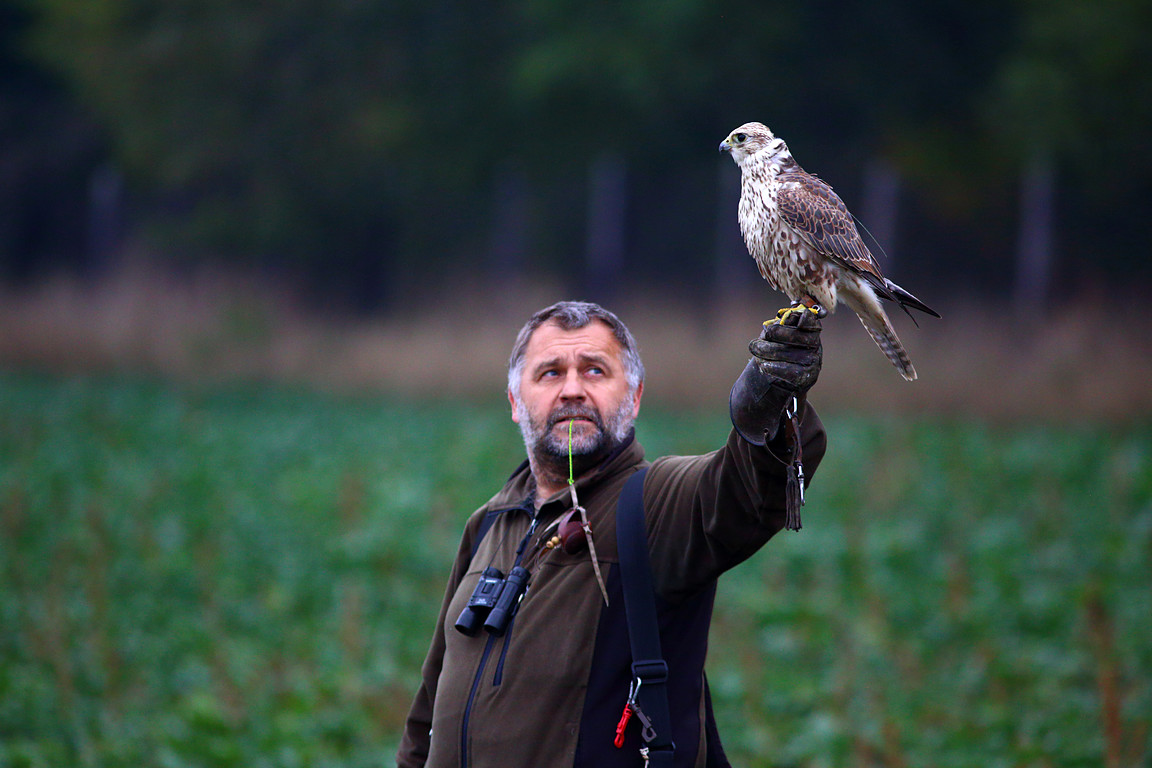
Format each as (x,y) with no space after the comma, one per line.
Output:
(805,242)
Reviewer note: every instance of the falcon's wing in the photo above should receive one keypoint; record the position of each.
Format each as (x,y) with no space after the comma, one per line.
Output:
(811,208)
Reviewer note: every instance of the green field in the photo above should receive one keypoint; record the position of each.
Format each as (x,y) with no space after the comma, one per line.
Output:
(247,576)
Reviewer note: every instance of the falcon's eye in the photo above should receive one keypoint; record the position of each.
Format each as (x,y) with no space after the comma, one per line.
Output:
(739,138)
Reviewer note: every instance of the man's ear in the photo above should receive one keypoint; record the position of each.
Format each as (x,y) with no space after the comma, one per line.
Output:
(636,400)
(515,410)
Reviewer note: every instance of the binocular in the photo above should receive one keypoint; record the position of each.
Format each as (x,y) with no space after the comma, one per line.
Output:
(494,601)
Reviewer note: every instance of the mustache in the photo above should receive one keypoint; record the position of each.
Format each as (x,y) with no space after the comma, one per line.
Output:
(575,412)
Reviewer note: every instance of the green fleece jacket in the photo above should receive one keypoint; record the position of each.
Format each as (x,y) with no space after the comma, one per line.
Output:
(551,690)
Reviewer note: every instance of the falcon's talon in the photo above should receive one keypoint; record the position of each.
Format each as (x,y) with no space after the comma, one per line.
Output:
(782,314)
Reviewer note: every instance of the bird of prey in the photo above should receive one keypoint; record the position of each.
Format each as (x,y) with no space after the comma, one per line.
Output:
(806,244)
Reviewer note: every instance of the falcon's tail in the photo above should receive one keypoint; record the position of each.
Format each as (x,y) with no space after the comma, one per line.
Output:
(879,327)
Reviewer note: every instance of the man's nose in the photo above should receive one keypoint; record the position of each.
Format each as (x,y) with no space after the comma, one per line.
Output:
(573,387)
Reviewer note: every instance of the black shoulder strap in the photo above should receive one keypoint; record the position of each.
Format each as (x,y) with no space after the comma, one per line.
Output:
(485,523)
(649,670)
(491,515)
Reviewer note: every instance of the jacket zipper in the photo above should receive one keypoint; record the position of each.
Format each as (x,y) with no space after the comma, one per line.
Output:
(471,698)
(499,676)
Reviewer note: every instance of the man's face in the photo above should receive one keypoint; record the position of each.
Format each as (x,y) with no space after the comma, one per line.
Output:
(574,378)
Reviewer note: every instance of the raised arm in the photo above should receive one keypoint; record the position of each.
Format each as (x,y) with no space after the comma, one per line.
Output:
(708,513)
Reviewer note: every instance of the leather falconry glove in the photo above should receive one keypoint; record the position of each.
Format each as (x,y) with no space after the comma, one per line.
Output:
(785,364)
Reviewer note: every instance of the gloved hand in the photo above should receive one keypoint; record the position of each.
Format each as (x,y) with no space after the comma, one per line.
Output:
(785,364)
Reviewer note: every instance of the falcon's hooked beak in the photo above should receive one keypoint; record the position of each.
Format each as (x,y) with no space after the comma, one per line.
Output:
(725,146)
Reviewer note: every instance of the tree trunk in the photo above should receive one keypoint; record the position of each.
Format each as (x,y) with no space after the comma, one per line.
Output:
(734,274)
(605,244)
(508,257)
(1034,244)
(880,210)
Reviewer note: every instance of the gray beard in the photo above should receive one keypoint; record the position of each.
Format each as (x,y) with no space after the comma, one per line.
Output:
(549,452)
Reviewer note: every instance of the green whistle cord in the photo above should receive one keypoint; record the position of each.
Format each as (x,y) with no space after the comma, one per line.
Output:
(584,520)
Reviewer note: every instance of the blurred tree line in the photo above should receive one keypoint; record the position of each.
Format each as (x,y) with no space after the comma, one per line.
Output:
(364,148)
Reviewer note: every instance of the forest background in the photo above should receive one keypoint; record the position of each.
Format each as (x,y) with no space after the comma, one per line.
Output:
(216,189)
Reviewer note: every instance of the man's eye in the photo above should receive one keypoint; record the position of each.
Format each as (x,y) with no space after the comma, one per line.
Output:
(596,370)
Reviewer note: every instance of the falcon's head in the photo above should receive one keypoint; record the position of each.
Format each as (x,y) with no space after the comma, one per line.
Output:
(753,141)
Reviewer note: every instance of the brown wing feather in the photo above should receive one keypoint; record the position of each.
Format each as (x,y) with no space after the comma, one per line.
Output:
(811,208)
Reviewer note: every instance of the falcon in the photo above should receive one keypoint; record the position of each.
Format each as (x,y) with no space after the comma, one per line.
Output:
(805,241)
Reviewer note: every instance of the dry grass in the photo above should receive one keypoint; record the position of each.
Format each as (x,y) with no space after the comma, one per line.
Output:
(1087,361)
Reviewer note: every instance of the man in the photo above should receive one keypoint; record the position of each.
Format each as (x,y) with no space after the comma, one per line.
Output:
(549,687)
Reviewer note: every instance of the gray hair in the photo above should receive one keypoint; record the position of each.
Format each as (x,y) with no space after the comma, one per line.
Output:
(570,316)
